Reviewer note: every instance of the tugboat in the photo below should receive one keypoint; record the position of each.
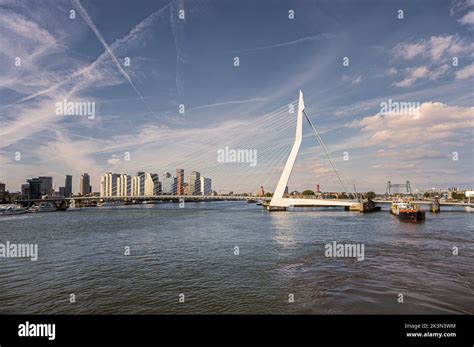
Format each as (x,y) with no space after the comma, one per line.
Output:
(407,211)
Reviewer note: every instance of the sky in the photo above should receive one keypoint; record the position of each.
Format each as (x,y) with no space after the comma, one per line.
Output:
(182,98)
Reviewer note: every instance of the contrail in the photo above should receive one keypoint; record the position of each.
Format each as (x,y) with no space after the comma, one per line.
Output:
(80,72)
(91,24)
(231,102)
(288,43)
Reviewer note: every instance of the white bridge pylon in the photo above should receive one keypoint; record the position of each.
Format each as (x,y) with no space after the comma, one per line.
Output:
(278,199)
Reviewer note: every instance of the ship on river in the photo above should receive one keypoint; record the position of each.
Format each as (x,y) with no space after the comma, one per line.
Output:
(11,209)
(407,211)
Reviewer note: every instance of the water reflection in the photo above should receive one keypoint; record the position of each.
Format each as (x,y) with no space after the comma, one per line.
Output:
(284,228)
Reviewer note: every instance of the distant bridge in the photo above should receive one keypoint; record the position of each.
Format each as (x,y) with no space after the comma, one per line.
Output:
(292,201)
(171,197)
(149,197)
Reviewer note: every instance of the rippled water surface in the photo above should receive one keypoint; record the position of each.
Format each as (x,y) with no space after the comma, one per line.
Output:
(191,251)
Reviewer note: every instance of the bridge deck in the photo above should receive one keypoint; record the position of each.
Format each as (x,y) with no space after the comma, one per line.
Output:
(287,201)
(301,202)
(424,202)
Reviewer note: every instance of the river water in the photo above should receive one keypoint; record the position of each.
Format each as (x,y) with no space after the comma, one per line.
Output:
(192,251)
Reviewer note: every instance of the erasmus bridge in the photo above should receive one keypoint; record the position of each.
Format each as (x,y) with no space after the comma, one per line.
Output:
(273,156)
(278,201)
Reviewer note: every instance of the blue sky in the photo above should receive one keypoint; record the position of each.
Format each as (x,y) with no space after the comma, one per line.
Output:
(190,62)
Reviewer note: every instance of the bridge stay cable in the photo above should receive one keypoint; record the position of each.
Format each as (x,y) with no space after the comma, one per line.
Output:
(328,155)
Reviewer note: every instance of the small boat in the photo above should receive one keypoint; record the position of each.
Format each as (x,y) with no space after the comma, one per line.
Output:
(43,207)
(11,209)
(407,211)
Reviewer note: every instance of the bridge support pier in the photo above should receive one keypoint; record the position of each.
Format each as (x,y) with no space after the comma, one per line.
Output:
(363,207)
(434,206)
(271,208)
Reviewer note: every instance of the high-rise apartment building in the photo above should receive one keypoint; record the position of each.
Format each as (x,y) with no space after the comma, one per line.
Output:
(168,184)
(146,184)
(124,185)
(138,184)
(68,186)
(185,189)
(108,184)
(179,181)
(46,185)
(102,185)
(194,183)
(85,184)
(25,190)
(34,191)
(206,186)
(152,184)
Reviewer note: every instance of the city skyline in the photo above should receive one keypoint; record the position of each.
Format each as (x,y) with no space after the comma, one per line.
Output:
(154,110)
(205,182)
(116,184)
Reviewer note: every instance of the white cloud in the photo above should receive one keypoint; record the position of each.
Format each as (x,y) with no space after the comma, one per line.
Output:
(410,153)
(461,5)
(395,166)
(114,160)
(409,50)
(468,19)
(16,26)
(436,121)
(440,44)
(392,71)
(434,48)
(439,72)
(419,72)
(24,39)
(435,52)
(394,144)
(32,119)
(413,74)
(466,72)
